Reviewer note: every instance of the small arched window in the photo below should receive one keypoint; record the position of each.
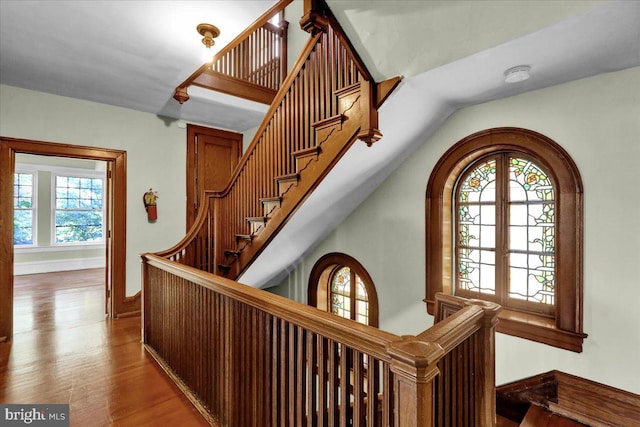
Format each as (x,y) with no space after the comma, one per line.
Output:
(504,224)
(340,285)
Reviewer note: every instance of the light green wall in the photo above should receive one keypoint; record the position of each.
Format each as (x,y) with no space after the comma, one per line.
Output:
(597,120)
(156,157)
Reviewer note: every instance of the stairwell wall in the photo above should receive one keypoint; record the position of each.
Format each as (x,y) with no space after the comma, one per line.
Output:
(596,121)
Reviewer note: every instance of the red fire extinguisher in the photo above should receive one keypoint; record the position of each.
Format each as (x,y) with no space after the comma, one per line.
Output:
(150,205)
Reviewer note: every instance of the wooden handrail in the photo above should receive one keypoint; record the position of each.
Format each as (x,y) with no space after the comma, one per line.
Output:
(355,335)
(246,357)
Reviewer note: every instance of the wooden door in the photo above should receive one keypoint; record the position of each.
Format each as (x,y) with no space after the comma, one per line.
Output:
(212,156)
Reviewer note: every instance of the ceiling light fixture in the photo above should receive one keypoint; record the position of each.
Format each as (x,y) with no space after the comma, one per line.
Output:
(517,74)
(208,33)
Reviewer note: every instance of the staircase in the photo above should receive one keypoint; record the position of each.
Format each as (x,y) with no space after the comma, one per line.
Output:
(327,102)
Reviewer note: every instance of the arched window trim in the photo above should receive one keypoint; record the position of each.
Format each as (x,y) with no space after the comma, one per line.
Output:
(564,330)
(322,273)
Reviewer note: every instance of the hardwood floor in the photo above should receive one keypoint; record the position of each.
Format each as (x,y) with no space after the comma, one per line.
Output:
(64,351)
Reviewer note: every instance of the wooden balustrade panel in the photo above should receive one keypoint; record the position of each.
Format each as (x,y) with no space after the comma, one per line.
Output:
(310,98)
(248,367)
(256,59)
(456,385)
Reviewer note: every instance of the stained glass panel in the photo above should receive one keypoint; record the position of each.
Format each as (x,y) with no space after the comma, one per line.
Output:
(340,293)
(476,229)
(531,233)
(343,295)
(472,187)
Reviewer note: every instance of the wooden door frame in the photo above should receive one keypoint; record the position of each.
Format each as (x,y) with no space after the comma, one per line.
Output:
(116,218)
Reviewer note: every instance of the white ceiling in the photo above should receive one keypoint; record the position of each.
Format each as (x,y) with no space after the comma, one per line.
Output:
(452,54)
(134,53)
(126,53)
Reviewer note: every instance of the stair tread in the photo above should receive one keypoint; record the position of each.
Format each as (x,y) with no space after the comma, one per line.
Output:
(257,218)
(271,199)
(311,151)
(290,176)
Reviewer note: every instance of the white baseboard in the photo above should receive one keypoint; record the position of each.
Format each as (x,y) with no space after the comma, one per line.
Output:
(36,267)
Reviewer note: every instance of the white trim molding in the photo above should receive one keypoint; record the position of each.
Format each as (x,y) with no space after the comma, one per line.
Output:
(36,267)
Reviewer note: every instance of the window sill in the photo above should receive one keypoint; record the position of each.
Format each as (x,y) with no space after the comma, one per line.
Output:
(57,248)
(534,327)
(538,328)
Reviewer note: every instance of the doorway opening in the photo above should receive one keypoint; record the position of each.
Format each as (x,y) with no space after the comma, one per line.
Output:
(117,304)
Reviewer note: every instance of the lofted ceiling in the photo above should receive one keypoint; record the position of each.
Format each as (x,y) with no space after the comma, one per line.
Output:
(451,53)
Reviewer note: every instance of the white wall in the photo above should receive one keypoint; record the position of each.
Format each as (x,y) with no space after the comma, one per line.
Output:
(597,120)
(156,157)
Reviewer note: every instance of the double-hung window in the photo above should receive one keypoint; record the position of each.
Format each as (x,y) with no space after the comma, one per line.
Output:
(79,209)
(24,208)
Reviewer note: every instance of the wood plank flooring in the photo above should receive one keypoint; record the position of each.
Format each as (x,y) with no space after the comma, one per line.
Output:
(65,351)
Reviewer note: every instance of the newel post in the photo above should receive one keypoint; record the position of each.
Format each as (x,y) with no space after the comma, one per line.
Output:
(413,363)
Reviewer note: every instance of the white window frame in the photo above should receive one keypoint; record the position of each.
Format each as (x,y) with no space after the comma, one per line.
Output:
(29,169)
(76,173)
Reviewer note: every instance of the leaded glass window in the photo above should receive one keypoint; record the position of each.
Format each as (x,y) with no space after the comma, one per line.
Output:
(23,208)
(505,244)
(78,209)
(347,300)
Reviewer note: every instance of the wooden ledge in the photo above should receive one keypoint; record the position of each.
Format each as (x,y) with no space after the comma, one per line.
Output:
(534,327)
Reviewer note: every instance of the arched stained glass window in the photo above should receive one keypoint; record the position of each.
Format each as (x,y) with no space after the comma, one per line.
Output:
(505,246)
(340,285)
(504,224)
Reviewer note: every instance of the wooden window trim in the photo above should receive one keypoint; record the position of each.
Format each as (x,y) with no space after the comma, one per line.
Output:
(564,329)
(322,273)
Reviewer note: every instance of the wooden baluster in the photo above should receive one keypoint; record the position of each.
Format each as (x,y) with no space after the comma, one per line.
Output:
(301,390)
(312,379)
(345,374)
(358,389)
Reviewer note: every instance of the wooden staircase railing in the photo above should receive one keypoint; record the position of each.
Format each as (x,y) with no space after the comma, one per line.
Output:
(327,102)
(251,66)
(246,357)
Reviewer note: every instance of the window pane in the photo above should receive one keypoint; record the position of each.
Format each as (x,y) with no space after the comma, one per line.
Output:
(476,225)
(22,227)
(361,291)
(340,293)
(78,226)
(362,312)
(23,191)
(527,182)
(531,233)
(78,209)
(23,199)
(476,181)
(532,278)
